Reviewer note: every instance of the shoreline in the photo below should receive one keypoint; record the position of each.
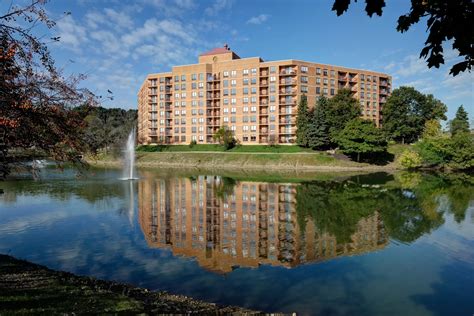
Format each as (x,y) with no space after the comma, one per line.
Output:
(288,162)
(26,287)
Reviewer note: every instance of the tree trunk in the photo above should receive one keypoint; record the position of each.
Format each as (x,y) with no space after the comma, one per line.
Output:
(403,140)
(358,157)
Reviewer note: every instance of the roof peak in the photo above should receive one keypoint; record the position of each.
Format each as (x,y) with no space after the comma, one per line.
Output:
(220,50)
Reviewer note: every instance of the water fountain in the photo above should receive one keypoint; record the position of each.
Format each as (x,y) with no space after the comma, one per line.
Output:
(129,157)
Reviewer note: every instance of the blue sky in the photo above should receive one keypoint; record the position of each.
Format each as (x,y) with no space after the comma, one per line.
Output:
(116,43)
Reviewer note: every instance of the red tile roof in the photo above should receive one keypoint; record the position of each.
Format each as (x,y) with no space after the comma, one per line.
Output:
(219,50)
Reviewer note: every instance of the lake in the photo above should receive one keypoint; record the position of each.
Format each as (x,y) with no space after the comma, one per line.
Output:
(392,244)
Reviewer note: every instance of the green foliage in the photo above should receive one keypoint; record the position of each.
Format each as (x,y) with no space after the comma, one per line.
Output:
(225,137)
(318,131)
(410,160)
(446,21)
(107,129)
(460,123)
(462,151)
(361,137)
(406,112)
(343,107)
(302,122)
(192,144)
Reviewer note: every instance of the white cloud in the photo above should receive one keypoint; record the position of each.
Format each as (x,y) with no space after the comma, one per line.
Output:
(119,19)
(259,19)
(217,6)
(411,65)
(71,34)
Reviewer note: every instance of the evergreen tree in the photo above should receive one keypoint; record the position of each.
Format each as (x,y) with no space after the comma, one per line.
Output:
(460,123)
(343,107)
(302,122)
(318,133)
(361,137)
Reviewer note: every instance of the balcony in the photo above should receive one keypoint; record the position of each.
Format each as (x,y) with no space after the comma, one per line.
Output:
(263,112)
(263,92)
(288,72)
(213,78)
(287,82)
(382,100)
(287,102)
(384,91)
(383,83)
(286,121)
(263,121)
(263,83)
(288,92)
(263,73)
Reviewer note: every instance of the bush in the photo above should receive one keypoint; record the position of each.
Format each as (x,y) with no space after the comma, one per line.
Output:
(192,144)
(225,137)
(410,159)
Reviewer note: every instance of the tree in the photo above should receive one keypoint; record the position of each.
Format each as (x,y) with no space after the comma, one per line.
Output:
(302,122)
(446,21)
(460,123)
(318,132)
(343,107)
(225,137)
(37,101)
(462,151)
(361,137)
(406,112)
(410,159)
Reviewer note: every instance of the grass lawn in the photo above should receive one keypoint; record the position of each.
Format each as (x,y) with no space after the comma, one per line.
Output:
(214,147)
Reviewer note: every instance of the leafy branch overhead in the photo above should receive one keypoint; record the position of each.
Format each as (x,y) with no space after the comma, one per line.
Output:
(446,21)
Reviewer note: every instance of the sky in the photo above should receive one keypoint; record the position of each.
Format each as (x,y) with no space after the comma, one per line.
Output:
(117,43)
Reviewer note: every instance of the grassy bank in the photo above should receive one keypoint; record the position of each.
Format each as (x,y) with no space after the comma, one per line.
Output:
(27,288)
(315,161)
(218,148)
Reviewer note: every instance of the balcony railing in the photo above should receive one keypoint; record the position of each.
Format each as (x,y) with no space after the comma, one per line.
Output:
(287,72)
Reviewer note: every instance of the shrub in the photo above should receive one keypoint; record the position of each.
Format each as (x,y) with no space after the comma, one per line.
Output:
(192,144)
(410,159)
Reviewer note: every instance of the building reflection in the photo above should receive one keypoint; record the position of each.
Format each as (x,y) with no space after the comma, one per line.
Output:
(246,225)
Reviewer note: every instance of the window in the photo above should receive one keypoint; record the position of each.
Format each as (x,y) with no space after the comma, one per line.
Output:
(304,69)
(176,78)
(245,100)
(225,83)
(333,82)
(253,81)
(233,73)
(253,100)
(233,110)
(254,71)
(325,72)
(332,92)
(325,81)
(253,128)
(245,81)
(253,109)
(304,89)
(304,79)
(201,76)
(183,86)
(253,138)
(226,110)
(183,77)
(325,91)
(333,73)
(253,90)
(193,76)
(233,119)
(176,87)
(226,119)
(272,69)
(245,128)
(318,71)
(233,91)
(201,85)
(193,85)
(225,101)
(233,83)
(318,80)
(245,72)
(272,108)
(245,119)
(362,77)
(245,109)
(225,92)
(233,101)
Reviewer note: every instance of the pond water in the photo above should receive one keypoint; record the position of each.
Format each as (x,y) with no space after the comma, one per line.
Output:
(399,244)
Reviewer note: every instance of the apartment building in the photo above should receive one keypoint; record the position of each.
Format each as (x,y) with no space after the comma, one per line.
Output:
(250,224)
(254,98)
